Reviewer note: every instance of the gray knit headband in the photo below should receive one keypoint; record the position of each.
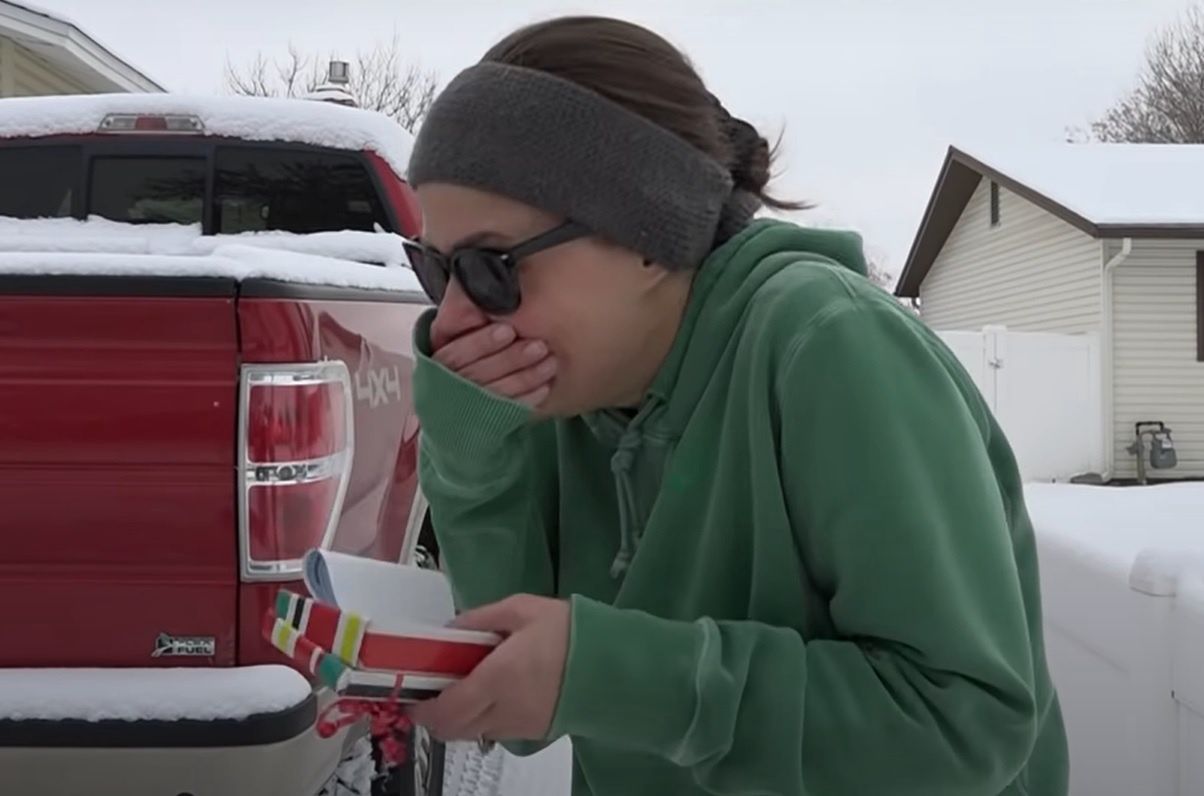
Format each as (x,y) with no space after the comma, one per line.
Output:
(555,145)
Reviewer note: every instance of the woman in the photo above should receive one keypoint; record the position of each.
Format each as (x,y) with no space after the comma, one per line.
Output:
(745,524)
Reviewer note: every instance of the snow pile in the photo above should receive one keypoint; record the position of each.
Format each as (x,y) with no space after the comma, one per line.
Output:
(1160,527)
(1109,183)
(149,694)
(99,247)
(248,118)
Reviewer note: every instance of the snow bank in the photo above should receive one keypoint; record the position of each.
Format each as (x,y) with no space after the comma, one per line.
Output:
(248,118)
(1158,529)
(149,694)
(1109,183)
(1124,646)
(99,247)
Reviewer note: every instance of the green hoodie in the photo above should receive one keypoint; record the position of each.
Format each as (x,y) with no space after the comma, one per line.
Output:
(803,567)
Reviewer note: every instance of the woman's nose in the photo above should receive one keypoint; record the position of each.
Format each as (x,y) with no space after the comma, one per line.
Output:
(457,314)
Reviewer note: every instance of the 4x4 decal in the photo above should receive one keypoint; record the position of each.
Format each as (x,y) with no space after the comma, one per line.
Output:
(378,386)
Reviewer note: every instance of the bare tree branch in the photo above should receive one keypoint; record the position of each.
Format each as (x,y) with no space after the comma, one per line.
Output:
(879,275)
(1167,104)
(380,80)
(251,80)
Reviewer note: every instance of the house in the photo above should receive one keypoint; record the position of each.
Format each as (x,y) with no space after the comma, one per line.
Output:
(1081,239)
(44,54)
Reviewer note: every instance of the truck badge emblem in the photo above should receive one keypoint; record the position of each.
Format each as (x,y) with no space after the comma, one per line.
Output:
(184,646)
(378,386)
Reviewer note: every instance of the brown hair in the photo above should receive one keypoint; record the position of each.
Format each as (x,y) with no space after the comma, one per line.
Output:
(646,74)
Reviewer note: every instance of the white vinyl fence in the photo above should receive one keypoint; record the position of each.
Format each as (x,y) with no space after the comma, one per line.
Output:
(1045,391)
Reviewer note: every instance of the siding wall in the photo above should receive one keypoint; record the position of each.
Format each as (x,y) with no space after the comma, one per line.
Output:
(24,73)
(1155,370)
(1033,272)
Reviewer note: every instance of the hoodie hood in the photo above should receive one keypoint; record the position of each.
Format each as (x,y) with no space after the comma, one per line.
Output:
(727,281)
(725,284)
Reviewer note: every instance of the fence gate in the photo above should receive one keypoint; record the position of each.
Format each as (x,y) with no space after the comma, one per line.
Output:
(1044,389)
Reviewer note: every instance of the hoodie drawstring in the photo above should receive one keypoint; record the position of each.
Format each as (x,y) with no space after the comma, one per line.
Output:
(620,466)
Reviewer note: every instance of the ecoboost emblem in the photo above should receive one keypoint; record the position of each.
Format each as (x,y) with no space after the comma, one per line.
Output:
(167,646)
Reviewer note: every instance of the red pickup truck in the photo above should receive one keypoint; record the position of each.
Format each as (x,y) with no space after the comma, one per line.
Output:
(204,371)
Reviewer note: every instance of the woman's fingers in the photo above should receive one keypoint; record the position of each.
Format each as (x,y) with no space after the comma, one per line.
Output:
(521,370)
(513,358)
(527,381)
(536,397)
(475,345)
(454,714)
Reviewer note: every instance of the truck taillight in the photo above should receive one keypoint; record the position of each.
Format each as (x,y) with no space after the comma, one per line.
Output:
(296,450)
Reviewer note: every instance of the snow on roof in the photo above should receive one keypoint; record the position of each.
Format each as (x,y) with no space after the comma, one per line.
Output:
(1156,527)
(149,694)
(250,118)
(99,247)
(1109,184)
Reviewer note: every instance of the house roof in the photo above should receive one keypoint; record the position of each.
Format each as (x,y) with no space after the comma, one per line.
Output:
(1105,190)
(64,44)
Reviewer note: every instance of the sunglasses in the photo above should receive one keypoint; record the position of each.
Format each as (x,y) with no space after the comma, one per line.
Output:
(489,277)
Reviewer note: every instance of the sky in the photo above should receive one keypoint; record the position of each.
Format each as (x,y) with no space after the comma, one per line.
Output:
(866,94)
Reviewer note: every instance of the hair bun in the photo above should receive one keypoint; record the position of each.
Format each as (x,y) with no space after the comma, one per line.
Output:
(750,156)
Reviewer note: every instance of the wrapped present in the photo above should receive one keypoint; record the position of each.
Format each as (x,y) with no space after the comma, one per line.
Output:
(437,652)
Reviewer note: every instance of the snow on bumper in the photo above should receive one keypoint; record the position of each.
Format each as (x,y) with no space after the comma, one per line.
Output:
(149,694)
(153,731)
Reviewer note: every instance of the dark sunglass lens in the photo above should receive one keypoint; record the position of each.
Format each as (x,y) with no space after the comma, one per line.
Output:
(430,270)
(488,280)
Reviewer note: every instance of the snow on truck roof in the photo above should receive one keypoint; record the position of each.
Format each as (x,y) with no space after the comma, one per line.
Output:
(249,118)
(99,247)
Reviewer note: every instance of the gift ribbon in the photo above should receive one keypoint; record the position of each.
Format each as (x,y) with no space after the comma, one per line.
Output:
(387,723)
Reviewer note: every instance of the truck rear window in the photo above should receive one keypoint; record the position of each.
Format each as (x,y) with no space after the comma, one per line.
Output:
(293,190)
(252,188)
(38,182)
(148,190)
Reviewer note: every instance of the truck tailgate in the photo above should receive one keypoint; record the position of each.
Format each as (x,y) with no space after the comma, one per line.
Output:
(117,489)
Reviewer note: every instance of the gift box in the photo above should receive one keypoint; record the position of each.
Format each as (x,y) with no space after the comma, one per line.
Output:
(402,649)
